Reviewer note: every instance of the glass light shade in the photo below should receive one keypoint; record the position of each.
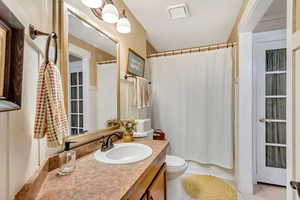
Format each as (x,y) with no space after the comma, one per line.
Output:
(110,14)
(123,25)
(86,25)
(93,3)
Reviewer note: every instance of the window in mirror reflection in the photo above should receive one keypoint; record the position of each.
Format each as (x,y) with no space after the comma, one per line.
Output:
(92,95)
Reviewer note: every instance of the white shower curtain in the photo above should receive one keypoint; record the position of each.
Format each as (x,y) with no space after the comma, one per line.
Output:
(192,102)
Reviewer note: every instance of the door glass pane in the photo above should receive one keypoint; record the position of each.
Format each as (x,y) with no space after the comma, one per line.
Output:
(276,60)
(276,157)
(73,92)
(81,121)
(80,106)
(74,131)
(275,84)
(276,133)
(74,107)
(74,120)
(80,78)
(74,78)
(276,108)
(80,92)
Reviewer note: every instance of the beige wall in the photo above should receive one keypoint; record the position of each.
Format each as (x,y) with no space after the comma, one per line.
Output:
(297,15)
(20,154)
(97,55)
(234,33)
(150,49)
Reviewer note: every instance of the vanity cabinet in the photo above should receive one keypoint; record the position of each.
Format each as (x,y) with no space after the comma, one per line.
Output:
(152,184)
(157,190)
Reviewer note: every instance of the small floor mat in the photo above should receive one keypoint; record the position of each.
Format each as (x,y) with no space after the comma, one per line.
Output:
(205,187)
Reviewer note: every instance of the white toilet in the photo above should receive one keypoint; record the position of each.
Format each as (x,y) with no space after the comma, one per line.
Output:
(176,167)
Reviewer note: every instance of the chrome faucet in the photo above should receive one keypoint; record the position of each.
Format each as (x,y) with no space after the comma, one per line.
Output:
(107,144)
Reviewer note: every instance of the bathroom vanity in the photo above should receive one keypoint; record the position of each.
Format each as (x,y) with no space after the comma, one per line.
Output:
(144,180)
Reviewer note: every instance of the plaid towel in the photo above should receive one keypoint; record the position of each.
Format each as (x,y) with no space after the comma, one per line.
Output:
(51,118)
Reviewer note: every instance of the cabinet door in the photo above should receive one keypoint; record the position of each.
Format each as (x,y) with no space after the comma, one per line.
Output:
(157,190)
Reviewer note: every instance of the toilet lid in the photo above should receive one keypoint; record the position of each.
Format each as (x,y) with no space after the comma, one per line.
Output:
(174,161)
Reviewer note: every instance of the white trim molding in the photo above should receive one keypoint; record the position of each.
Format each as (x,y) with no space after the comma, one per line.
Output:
(290,100)
(245,136)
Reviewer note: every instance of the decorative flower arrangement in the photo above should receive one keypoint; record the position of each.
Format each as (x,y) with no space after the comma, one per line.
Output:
(129,125)
(112,123)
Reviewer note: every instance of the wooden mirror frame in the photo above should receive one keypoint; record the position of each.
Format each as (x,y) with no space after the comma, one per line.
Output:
(11,98)
(61,10)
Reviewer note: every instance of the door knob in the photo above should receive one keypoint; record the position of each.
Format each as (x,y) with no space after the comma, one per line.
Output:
(296,186)
(263,120)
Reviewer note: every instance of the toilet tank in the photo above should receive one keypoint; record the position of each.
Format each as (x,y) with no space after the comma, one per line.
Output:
(143,125)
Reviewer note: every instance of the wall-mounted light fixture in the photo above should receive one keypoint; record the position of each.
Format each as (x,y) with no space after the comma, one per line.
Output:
(105,10)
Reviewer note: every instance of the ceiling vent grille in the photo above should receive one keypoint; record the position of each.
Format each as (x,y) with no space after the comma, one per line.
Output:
(178,11)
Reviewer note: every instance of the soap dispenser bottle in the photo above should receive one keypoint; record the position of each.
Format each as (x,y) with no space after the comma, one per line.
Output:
(67,160)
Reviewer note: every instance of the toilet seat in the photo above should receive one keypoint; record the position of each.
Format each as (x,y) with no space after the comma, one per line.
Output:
(176,166)
(174,161)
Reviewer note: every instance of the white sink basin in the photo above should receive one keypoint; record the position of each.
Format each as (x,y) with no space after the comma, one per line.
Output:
(124,153)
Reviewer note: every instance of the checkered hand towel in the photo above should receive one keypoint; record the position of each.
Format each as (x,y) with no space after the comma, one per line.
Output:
(51,118)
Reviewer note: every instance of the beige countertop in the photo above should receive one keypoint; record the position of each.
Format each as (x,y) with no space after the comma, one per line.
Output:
(93,180)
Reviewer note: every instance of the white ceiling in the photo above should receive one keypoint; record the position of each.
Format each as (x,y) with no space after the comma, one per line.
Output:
(211,21)
(91,36)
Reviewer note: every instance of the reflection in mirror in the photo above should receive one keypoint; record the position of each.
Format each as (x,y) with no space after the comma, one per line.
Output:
(92,78)
(2,59)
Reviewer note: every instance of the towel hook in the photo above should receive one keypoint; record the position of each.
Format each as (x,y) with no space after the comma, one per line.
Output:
(50,37)
(34,33)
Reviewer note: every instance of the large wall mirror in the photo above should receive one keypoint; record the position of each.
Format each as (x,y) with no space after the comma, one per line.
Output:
(91,76)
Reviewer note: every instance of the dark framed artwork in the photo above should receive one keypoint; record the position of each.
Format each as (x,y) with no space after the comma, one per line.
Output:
(11,59)
(136,64)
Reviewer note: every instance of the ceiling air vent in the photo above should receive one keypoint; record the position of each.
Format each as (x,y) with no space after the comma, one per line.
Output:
(178,11)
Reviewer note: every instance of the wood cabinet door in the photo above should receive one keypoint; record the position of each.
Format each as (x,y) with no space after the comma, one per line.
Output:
(157,190)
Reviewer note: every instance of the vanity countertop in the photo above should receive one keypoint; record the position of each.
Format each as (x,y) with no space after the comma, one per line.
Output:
(93,180)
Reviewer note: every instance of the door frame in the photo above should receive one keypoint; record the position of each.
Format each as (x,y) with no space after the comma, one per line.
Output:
(86,57)
(293,46)
(258,38)
(253,13)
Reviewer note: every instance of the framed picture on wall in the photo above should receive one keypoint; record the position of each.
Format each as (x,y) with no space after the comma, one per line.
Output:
(136,64)
(11,59)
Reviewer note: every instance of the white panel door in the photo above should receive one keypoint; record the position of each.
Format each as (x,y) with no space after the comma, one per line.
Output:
(270,123)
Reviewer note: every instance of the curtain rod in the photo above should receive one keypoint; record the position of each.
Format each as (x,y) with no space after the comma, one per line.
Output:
(106,62)
(192,50)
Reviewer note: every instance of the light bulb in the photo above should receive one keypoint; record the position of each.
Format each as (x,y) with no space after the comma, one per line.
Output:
(93,3)
(123,25)
(110,14)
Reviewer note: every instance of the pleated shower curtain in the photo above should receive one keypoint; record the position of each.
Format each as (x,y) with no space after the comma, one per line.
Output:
(192,97)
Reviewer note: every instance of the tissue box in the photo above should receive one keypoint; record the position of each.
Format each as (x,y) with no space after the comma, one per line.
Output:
(143,125)
(147,134)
